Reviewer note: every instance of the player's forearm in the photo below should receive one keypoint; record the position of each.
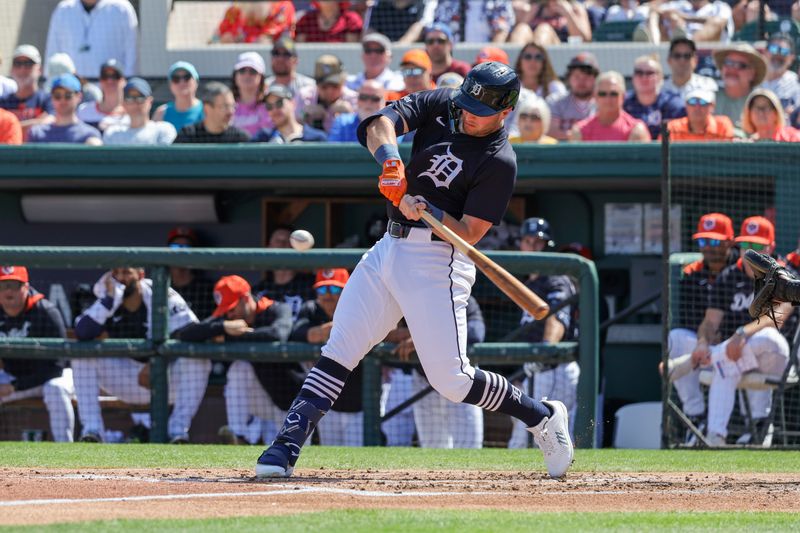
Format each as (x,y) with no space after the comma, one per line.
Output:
(553,330)
(471,233)
(706,332)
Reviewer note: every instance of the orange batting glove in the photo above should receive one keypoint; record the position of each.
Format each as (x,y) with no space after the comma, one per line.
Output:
(392,181)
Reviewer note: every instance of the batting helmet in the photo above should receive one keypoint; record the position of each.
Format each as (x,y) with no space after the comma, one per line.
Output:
(539,228)
(488,89)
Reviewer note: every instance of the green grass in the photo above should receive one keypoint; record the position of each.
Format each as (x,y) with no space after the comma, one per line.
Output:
(354,521)
(51,455)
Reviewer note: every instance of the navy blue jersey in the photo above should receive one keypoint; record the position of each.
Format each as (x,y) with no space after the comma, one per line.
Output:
(458,173)
(553,290)
(732,294)
(668,105)
(695,286)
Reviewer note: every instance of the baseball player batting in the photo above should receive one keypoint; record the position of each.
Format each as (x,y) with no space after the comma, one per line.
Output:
(462,171)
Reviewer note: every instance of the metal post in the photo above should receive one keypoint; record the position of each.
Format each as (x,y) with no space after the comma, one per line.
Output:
(159,387)
(371,400)
(666,201)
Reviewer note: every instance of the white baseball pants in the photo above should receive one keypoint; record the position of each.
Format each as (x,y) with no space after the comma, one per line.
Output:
(683,341)
(245,398)
(120,377)
(767,351)
(399,429)
(341,429)
(560,383)
(428,283)
(57,394)
(445,424)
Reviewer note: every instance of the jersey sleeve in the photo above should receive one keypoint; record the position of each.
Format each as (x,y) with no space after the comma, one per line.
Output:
(494,182)
(415,109)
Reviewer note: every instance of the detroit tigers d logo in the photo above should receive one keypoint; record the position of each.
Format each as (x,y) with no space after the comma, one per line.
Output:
(443,169)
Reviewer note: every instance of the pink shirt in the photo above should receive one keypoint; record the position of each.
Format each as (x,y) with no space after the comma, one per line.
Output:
(251,118)
(592,130)
(787,134)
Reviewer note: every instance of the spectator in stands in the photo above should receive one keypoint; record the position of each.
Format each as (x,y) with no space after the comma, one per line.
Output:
(538,80)
(559,382)
(250,24)
(254,389)
(699,20)
(248,92)
(763,118)
(376,54)
(10,128)
(195,288)
(402,21)
(30,104)
(439,46)
(626,10)
(24,312)
(611,122)
(371,99)
(313,325)
(330,97)
(66,128)
(93,31)
(714,239)
(700,123)
(578,103)
(61,63)
(279,102)
(682,61)
(747,344)
(7,85)
(450,80)
(283,285)
(780,79)
(137,101)
(186,109)
(329,22)
(551,22)
(215,127)
(482,21)
(747,11)
(648,101)
(416,69)
(284,69)
(108,111)
(742,69)
(491,53)
(533,122)
(123,311)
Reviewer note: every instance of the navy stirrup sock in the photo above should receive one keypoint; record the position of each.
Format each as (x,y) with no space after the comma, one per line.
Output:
(493,392)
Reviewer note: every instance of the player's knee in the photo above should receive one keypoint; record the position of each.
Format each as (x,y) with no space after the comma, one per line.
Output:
(769,340)
(454,389)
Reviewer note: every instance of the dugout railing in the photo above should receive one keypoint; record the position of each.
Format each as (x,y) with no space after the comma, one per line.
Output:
(160,349)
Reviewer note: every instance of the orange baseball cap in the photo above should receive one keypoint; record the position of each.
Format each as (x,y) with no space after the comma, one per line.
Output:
(227,293)
(491,53)
(417,57)
(758,230)
(16,273)
(332,276)
(714,226)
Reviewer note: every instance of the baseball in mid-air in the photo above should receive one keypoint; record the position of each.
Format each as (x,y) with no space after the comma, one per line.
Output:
(301,240)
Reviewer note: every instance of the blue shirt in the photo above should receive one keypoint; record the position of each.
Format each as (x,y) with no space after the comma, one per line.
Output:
(33,106)
(344,128)
(76,133)
(668,105)
(272,135)
(181,119)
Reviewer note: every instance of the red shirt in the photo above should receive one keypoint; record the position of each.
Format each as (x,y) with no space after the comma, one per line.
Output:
(459,67)
(308,27)
(718,128)
(10,129)
(592,130)
(786,134)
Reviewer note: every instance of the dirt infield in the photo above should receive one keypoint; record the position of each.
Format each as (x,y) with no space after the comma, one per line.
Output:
(44,496)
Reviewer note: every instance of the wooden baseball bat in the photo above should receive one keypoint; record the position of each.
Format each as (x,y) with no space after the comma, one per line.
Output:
(503,280)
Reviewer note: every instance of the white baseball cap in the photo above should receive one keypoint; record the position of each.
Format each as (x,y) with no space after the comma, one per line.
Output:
(704,94)
(29,51)
(252,60)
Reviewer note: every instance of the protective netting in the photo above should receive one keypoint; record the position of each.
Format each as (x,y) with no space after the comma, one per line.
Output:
(731,197)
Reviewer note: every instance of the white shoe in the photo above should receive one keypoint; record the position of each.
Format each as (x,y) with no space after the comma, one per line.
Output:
(552,437)
(715,440)
(264,471)
(680,366)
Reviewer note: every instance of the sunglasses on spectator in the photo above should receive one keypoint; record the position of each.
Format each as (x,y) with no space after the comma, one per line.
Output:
(528,56)
(329,289)
(247,70)
(530,116)
(778,50)
(278,53)
(416,71)
(738,65)
(277,105)
(684,57)
(135,99)
(369,98)
(10,285)
(67,95)
(604,94)
(697,101)
(179,245)
(758,247)
(762,108)
(436,40)
(644,73)
(371,50)
(177,78)
(708,243)
(113,75)
(23,63)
